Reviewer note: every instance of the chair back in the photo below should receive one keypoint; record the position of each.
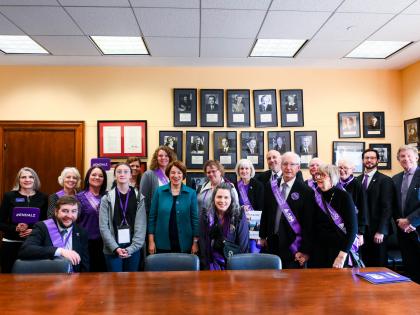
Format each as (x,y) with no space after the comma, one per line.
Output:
(58,265)
(172,262)
(253,262)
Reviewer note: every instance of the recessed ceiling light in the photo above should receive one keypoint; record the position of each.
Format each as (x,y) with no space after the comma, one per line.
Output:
(20,44)
(120,45)
(377,49)
(277,47)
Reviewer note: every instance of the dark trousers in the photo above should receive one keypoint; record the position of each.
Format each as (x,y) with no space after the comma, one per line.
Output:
(374,255)
(96,256)
(9,253)
(410,250)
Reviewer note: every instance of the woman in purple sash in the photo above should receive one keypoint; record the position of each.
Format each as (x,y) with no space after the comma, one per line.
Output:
(251,198)
(223,225)
(70,180)
(25,194)
(90,200)
(335,223)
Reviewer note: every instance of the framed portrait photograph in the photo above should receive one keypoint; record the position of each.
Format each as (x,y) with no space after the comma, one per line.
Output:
(265,108)
(374,124)
(185,107)
(279,141)
(122,138)
(291,105)
(351,151)
(349,125)
(231,176)
(212,108)
(197,149)
(306,145)
(238,108)
(411,131)
(224,148)
(196,180)
(252,147)
(172,139)
(385,157)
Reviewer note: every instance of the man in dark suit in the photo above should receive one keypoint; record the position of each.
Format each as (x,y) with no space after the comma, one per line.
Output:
(197,146)
(407,215)
(251,146)
(276,230)
(305,147)
(380,195)
(224,148)
(265,104)
(211,105)
(59,237)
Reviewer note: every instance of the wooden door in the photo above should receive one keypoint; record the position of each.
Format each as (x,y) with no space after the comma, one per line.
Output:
(47,147)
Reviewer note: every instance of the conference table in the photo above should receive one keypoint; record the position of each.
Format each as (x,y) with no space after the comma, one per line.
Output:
(309,291)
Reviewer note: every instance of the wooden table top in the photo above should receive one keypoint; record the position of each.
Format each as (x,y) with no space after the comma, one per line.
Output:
(310,291)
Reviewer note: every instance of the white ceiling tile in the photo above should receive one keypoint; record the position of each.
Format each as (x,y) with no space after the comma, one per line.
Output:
(42,20)
(231,23)
(352,26)
(67,45)
(292,24)
(306,5)
(413,9)
(324,49)
(29,2)
(168,22)
(173,46)
(226,47)
(374,6)
(96,3)
(189,4)
(7,28)
(236,5)
(401,28)
(105,21)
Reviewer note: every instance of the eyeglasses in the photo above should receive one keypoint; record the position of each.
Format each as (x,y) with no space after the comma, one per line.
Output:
(122,172)
(320,176)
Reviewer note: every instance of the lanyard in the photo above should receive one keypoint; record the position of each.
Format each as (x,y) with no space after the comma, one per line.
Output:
(124,209)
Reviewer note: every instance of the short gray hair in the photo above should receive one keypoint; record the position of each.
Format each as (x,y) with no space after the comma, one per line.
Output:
(332,171)
(291,154)
(406,148)
(242,163)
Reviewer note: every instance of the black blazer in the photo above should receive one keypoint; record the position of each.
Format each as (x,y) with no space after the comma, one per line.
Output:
(265,177)
(412,202)
(380,202)
(38,245)
(255,194)
(355,189)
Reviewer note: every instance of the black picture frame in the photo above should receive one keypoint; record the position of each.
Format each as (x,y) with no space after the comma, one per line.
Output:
(411,131)
(196,151)
(291,108)
(185,107)
(350,150)
(279,141)
(231,177)
(306,146)
(174,140)
(349,125)
(253,151)
(226,155)
(265,108)
(212,108)
(374,124)
(195,180)
(238,108)
(385,155)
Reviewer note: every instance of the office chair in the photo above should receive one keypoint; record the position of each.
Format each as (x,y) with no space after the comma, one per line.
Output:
(253,262)
(58,265)
(172,262)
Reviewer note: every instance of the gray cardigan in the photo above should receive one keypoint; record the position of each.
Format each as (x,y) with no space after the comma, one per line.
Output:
(149,183)
(106,215)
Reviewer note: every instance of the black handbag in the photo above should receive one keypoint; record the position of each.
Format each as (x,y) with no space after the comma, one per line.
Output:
(230,249)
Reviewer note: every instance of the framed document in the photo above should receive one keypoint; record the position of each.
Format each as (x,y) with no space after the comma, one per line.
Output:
(306,146)
(224,148)
(252,147)
(374,124)
(265,108)
(197,149)
(291,104)
(173,140)
(212,108)
(349,125)
(238,108)
(351,151)
(185,107)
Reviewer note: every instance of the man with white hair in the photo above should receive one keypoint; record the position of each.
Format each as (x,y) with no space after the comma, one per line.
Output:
(286,220)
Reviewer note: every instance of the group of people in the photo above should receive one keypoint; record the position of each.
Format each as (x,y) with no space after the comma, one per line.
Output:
(332,219)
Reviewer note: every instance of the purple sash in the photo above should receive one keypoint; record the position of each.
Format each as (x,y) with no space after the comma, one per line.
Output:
(346,182)
(60,193)
(244,195)
(163,179)
(311,183)
(93,200)
(290,216)
(55,235)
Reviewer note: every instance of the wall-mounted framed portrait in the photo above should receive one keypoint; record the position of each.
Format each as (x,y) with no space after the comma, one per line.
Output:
(252,147)
(224,148)
(265,108)
(197,149)
(279,141)
(196,180)
(411,131)
(349,125)
(291,108)
(374,124)
(350,151)
(185,107)
(231,176)
(238,109)
(306,145)
(212,108)
(172,139)
(385,155)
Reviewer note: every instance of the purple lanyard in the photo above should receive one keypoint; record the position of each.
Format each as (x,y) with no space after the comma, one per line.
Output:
(124,209)
(244,195)
(60,193)
(164,180)
(55,235)
(290,216)
(93,200)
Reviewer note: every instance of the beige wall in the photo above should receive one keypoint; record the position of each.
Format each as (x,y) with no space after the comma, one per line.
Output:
(411,91)
(122,93)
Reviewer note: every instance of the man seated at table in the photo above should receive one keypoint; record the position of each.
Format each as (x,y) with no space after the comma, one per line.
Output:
(59,237)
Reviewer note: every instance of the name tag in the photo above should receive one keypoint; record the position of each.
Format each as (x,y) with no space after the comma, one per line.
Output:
(20,199)
(25,215)
(123,235)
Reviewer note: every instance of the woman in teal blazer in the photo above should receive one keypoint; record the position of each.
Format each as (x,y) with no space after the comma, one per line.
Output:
(173,217)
